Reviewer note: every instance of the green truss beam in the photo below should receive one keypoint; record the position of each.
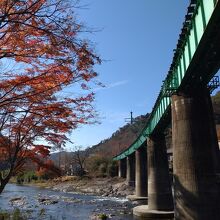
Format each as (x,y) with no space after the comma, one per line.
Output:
(192,37)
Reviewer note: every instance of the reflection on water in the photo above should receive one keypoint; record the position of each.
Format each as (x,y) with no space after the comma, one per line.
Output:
(38,203)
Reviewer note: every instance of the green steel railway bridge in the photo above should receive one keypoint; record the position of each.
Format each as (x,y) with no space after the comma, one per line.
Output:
(183,101)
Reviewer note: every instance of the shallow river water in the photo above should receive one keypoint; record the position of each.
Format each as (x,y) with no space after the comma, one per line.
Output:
(38,203)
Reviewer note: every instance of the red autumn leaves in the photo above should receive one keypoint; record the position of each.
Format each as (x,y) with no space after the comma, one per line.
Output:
(41,54)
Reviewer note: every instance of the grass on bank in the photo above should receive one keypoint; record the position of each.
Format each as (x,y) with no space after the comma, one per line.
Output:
(16,214)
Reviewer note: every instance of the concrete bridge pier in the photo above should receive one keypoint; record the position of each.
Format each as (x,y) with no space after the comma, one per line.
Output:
(122,168)
(130,176)
(141,172)
(160,201)
(140,176)
(195,157)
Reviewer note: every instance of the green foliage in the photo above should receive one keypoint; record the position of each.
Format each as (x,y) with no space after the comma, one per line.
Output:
(44,176)
(20,178)
(15,215)
(42,212)
(112,168)
(100,166)
(97,166)
(102,216)
(103,169)
(26,177)
(4,215)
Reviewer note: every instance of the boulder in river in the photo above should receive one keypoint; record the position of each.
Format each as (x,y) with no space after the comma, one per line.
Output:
(17,201)
(47,201)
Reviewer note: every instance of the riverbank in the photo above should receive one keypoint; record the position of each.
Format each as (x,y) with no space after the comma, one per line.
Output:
(112,187)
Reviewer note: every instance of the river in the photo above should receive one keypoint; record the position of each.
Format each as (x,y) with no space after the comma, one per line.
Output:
(45,204)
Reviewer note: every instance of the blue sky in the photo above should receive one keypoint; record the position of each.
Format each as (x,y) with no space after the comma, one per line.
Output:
(136,38)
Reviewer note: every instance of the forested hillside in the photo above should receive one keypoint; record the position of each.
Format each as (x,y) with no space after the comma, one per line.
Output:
(125,135)
(122,138)
(111,146)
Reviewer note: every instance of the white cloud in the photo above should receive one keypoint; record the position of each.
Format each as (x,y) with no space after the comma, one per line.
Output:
(112,85)
(115,84)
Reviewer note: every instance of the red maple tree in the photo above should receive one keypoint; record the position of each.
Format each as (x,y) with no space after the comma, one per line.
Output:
(41,54)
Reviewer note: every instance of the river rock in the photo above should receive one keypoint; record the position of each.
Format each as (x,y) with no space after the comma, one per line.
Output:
(47,201)
(18,201)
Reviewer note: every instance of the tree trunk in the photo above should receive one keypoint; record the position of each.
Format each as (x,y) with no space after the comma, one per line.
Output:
(4,181)
(3,184)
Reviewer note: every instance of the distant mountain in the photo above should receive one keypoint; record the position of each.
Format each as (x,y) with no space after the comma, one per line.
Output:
(109,147)
(121,139)
(127,134)
(59,157)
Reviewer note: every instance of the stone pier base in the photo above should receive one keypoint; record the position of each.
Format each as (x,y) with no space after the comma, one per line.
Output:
(144,213)
(136,198)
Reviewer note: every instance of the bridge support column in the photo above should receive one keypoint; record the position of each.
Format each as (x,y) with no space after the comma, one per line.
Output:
(195,157)
(160,201)
(130,176)
(141,172)
(159,186)
(140,176)
(122,168)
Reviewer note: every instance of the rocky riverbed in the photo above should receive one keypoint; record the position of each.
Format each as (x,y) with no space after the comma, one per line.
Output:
(68,199)
(112,187)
